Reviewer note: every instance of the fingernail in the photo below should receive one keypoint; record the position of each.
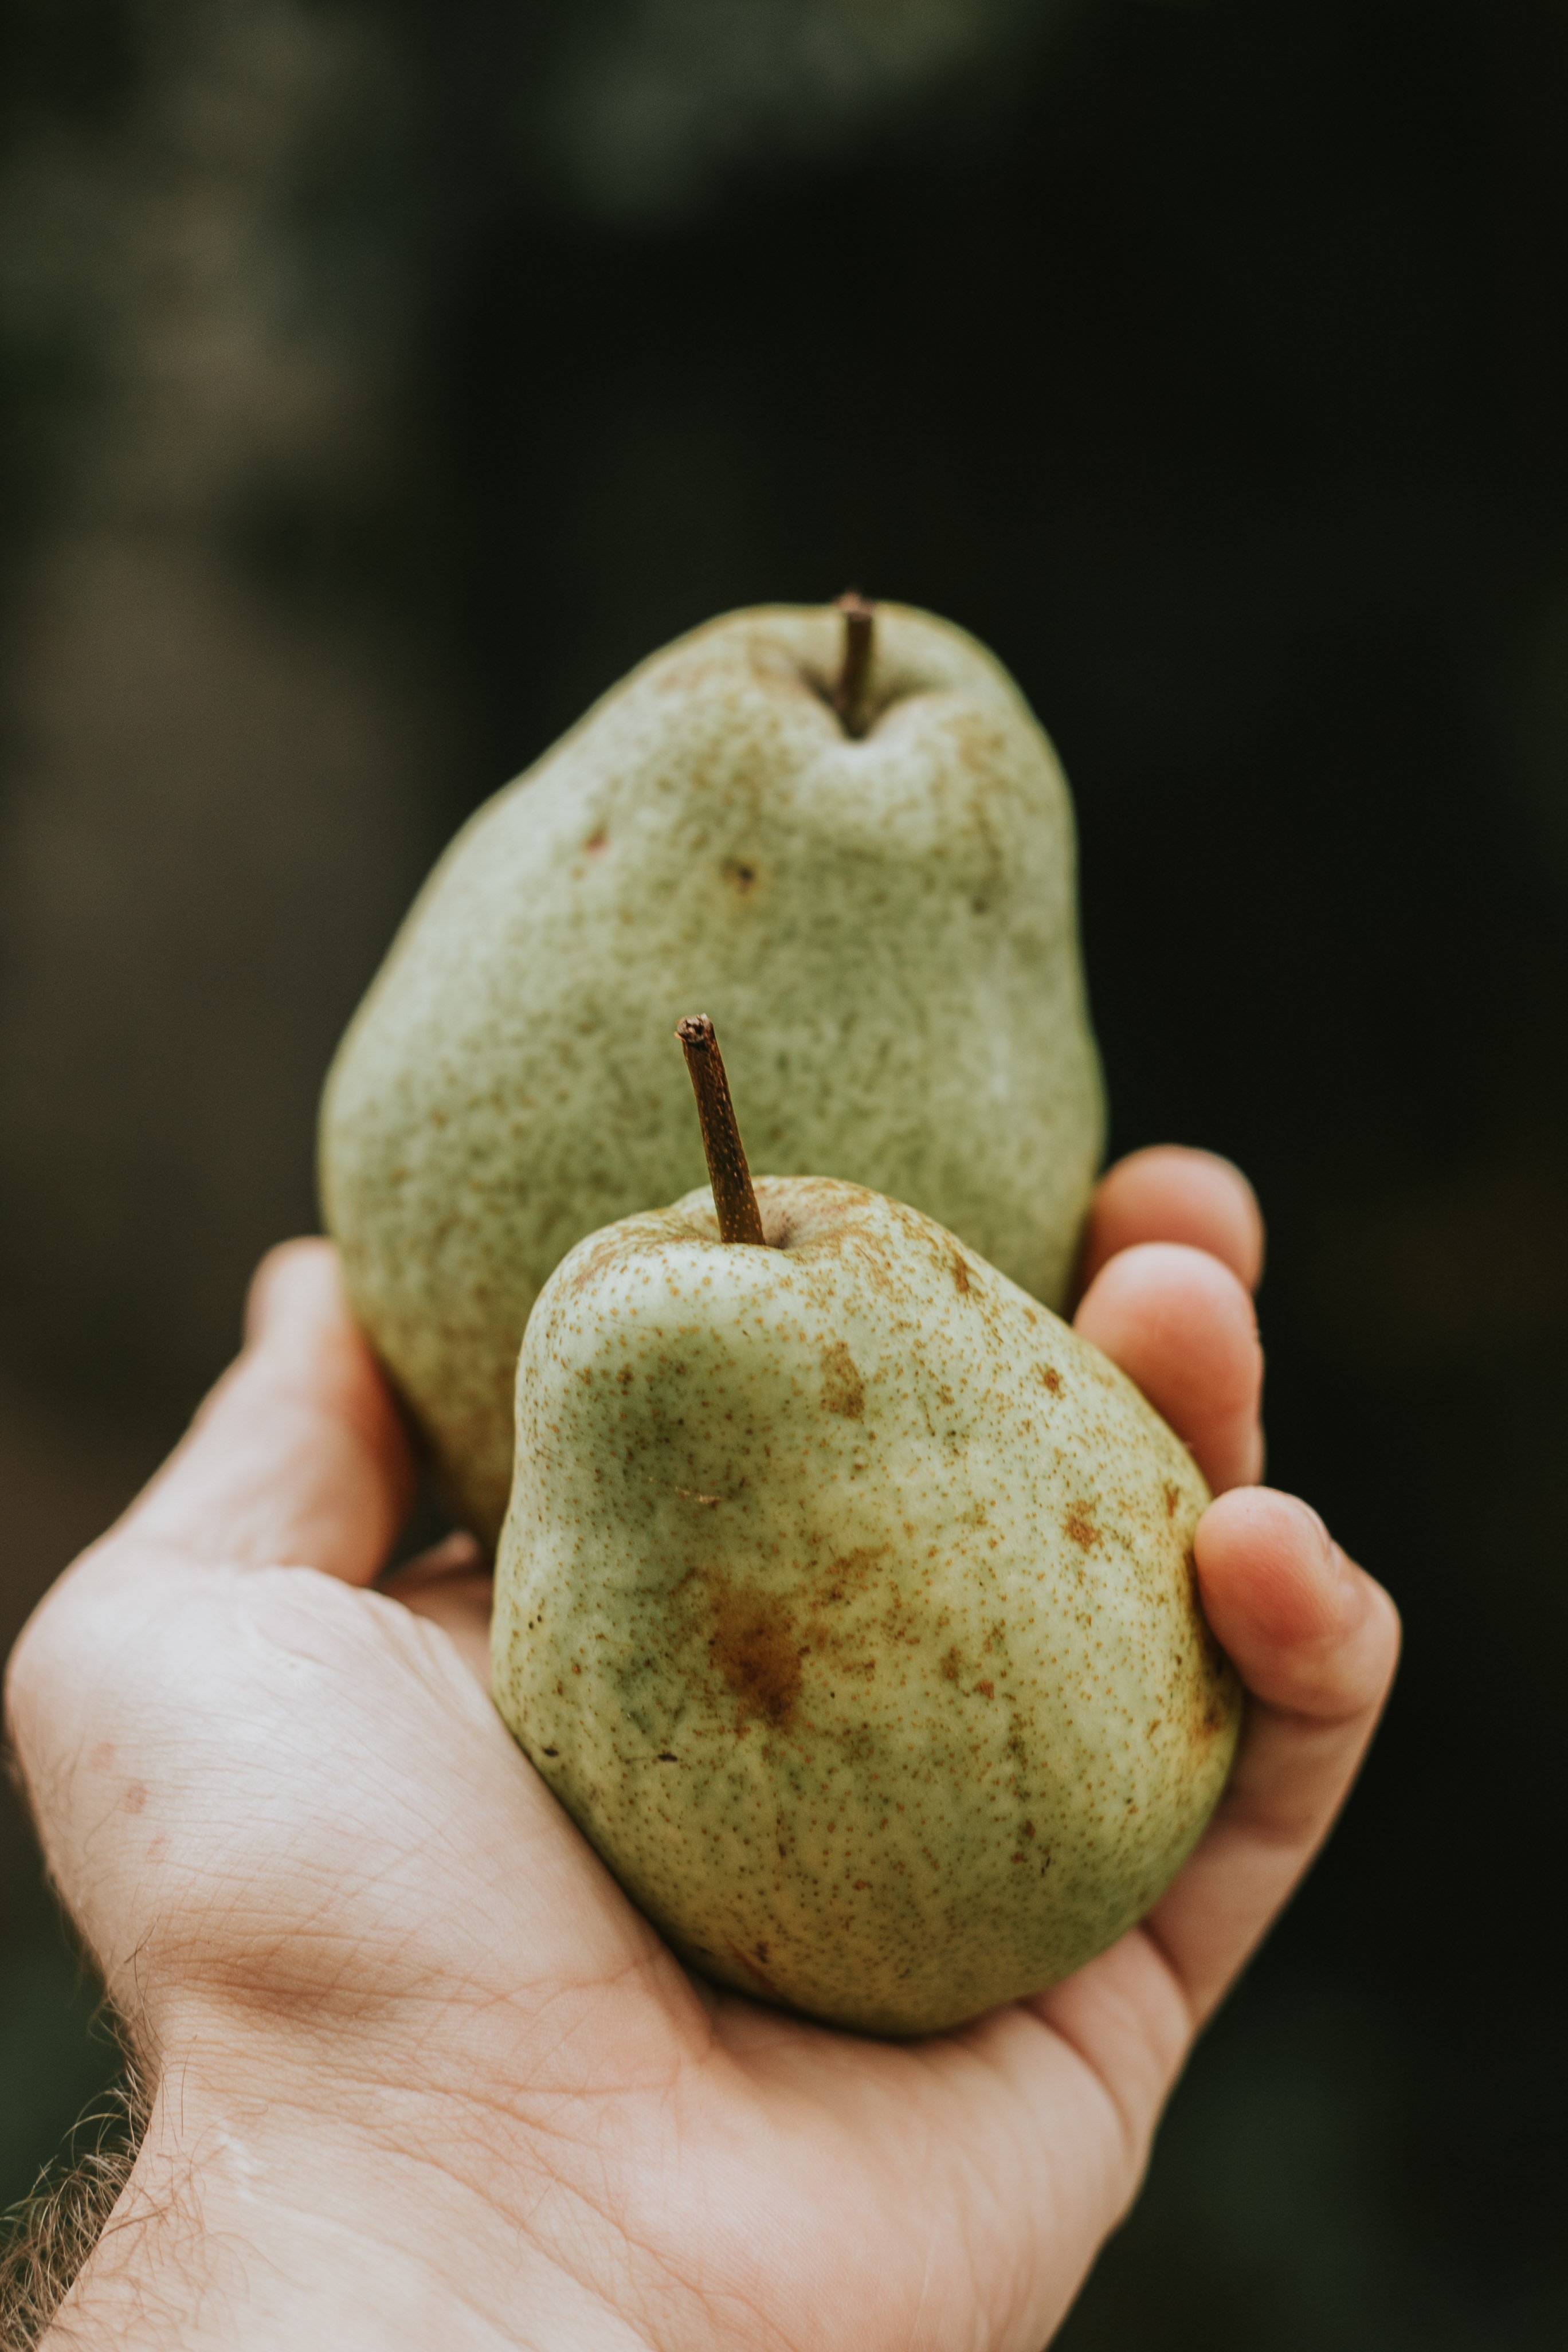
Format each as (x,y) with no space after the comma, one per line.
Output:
(1324,1537)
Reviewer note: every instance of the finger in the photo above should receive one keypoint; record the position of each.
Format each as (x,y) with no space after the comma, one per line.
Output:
(1182,1327)
(1169,1193)
(298,1456)
(452,1585)
(1315,1641)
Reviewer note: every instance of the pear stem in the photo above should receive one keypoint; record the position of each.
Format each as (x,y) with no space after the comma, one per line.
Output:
(740,1220)
(859,627)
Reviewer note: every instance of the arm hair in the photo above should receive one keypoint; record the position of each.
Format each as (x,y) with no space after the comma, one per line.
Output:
(56,2228)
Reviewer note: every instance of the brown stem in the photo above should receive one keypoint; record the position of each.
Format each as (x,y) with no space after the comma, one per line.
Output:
(739,1217)
(860,625)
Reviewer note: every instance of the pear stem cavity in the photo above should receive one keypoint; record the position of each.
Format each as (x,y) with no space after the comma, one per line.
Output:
(860,627)
(740,1220)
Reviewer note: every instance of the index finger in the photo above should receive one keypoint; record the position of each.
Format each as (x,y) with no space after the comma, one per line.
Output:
(298,1456)
(1170,1193)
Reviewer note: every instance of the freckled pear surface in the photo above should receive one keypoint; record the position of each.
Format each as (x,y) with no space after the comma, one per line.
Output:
(846,1600)
(883,923)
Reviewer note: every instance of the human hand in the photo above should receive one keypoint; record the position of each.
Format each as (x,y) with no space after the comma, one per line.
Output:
(423,2072)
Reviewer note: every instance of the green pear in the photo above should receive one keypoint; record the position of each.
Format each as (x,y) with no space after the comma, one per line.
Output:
(851,834)
(846,1599)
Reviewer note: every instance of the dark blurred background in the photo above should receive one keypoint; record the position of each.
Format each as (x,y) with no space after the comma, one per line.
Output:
(377,383)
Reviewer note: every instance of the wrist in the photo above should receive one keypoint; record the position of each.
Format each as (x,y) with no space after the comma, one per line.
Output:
(304,2197)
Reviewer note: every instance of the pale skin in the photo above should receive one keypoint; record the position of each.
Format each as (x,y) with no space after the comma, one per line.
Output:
(423,2074)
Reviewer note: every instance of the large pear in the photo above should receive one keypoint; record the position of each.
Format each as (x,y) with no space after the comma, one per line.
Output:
(846,1599)
(872,890)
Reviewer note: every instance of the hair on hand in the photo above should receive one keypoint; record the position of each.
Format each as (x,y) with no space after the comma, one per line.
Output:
(52,2232)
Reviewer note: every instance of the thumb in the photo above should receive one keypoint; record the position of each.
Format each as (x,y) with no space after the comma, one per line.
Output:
(298,1456)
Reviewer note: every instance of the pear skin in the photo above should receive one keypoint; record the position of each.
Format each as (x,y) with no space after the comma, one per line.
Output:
(865,868)
(847,1602)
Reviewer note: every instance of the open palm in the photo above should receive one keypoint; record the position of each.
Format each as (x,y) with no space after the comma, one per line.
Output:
(376,1967)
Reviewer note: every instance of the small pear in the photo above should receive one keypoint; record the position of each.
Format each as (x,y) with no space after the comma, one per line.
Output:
(846,1599)
(844,825)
